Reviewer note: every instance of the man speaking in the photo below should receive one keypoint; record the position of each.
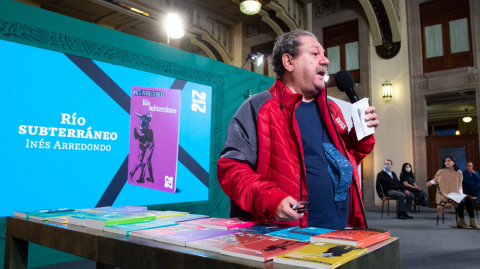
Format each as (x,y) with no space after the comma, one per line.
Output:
(290,143)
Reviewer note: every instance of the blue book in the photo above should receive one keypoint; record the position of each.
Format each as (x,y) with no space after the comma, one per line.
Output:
(27,214)
(183,218)
(265,228)
(125,229)
(301,234)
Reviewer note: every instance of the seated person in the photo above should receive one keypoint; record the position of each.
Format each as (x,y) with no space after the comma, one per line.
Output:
(388,186)
(408,180)
(449,179)
(471,181)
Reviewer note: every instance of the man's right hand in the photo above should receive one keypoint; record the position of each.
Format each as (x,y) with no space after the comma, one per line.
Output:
(285,211)
(384,198)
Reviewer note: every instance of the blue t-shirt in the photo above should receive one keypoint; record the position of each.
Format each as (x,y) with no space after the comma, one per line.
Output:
(324,212)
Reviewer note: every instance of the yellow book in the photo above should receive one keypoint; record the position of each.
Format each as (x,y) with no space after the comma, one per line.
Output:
(320,255)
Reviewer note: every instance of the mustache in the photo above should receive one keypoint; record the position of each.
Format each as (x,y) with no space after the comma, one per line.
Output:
(323,70)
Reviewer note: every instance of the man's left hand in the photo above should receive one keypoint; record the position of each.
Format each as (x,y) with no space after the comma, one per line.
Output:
(407,192)
(372,117)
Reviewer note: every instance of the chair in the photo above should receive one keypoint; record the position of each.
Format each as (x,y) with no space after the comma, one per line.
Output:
(474,204)
(388,205)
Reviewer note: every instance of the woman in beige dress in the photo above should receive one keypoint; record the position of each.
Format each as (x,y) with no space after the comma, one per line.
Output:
(449,179)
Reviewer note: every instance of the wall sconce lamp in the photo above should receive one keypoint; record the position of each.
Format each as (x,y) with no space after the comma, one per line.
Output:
(250,7)
(257,59)
(387,91)
(467,119)
(457,132)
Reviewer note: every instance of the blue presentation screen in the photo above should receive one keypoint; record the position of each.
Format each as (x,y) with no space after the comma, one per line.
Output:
(66,134)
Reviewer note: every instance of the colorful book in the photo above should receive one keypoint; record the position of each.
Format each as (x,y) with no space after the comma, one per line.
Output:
(228,224)
(188,217)
(27,214)
(302,234)
(263,250)
(320,255)
(47,216)
(360,237)
(152,161)
(182,238)
(165,214)
(198,222)
(266,228)
(218,243)
(152,233)
(106,219)
(119,209)
(125,229)
(58,220)
(80,219)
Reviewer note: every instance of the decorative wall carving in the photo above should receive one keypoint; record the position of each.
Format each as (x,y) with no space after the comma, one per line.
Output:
(423,85)
(324,7)
(388,49)
(472,78)
(255,28)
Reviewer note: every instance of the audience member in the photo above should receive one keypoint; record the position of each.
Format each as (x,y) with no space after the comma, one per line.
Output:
(471,181)
(388,186)
(449,179)
(408,180)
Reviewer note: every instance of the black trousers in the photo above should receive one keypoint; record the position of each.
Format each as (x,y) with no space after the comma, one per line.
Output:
(468,203)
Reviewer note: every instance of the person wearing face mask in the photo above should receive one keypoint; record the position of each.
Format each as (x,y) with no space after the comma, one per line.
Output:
(449,179)
(388,186)
(408,180)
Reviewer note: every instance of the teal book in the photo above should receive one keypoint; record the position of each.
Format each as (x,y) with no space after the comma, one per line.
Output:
(47,216)
(100,220)
(301,234)
(27,214)
(125,229)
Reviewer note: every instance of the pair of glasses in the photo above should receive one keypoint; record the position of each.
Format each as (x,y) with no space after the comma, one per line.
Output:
(301,206)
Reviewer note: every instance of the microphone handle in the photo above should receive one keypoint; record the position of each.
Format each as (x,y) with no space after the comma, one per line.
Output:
(352,96)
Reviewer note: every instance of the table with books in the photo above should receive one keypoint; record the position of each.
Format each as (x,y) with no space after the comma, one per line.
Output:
(180,240)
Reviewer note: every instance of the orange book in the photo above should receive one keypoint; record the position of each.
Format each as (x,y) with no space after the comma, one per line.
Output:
(359,237)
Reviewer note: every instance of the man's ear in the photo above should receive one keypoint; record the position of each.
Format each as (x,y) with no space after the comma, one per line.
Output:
(287,61)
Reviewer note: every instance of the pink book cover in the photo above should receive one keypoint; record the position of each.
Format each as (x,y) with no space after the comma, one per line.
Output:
(198,222)
(151,233)
(228,224)
(154,130)
(263,250)
(220,242)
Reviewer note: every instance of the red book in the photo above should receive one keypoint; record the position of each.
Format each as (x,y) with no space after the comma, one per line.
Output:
(220,242)
(263,250)
(227,224)
(359,237)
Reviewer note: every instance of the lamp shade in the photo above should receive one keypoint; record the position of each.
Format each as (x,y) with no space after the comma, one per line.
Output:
(387,91)
(467,119)
(250,7)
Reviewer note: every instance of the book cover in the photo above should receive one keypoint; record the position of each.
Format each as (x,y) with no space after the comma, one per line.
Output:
(218,243)
(320,255)
(27,214)
(125,229)
(228,224)
(360,237)
(151,233)
(265,228)
(47,216)
(263,250)
(182,238)
(119,209)
(198,222)
(302,234)
(100,220)
(188,217)
(164,214)
(154,130)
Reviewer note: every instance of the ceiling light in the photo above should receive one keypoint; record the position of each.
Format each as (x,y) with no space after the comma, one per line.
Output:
(250,7)
(467,119)
(174,27)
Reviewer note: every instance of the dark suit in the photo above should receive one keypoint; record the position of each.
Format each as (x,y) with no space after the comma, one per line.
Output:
(390,187)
